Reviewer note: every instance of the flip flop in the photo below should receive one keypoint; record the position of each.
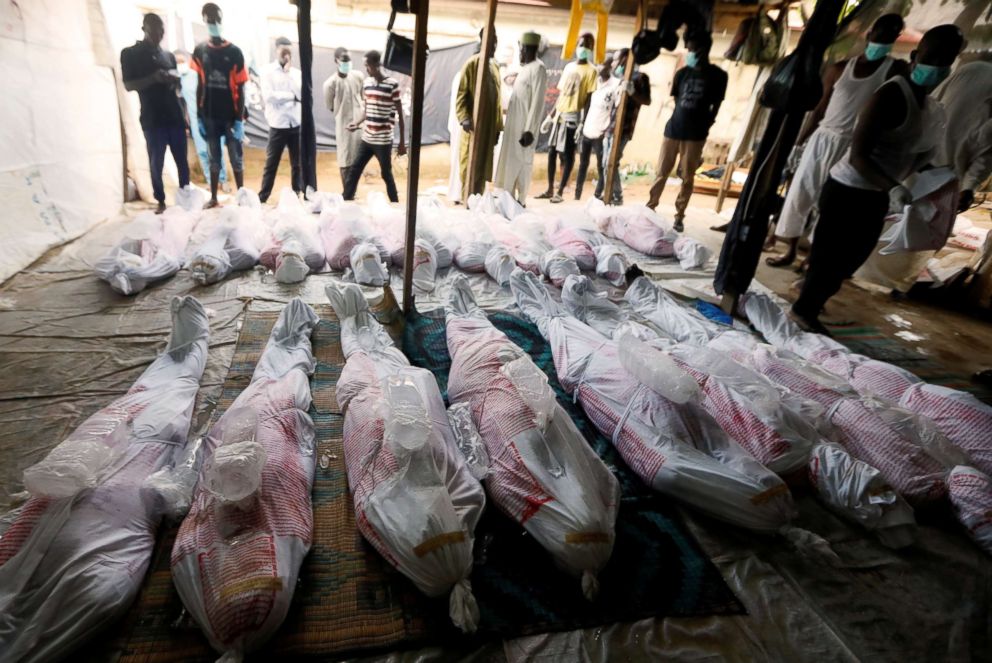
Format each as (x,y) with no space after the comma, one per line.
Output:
(544,196)
(556,199)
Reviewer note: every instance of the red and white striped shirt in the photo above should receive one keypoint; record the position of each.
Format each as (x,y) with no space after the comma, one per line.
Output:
(380,110)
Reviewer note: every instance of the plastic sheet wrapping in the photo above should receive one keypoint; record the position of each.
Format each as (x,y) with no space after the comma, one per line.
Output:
(342,228)
(970,491)
(858,492)
(678,450)
(965,420)
(367,265)
(674,320)
(237,554)
(470,443)
(557,266)
(523,238)
(692,254)
(247,198)
(543,474)
(611,263)
(501,203)
(151,251)
(574,236)
(499,264)
(234,244)
(57,314)
(636,226)
(415,499)
(594,308)
(74,558)
(294,249)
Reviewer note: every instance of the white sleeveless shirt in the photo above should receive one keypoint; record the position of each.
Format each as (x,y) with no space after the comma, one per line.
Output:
(850,95)
(899,151)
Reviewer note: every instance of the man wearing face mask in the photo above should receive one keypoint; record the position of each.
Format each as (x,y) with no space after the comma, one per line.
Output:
(150,71)
(281,89)
(523,120)
(188,80)
(594,127)
(343,96)
(575,85)
(847,87)
(637,94)
(490,119)
(967,147)
(699,88)
(220,99)
(897,133)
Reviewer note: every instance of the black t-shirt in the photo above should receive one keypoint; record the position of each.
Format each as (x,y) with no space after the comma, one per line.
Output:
(160,103)
(222,69)
(698,91)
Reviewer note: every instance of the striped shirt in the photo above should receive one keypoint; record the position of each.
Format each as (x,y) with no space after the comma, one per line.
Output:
(380,110)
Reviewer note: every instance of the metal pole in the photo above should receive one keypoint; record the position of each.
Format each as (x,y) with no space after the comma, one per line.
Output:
(480,82)
(420,9)
(628,74)
(308,133)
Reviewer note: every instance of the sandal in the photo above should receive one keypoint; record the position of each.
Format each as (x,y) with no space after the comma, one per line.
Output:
(556,198)
(782,260)
(544,196)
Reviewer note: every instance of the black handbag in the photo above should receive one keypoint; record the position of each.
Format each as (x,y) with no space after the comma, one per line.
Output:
(398,55)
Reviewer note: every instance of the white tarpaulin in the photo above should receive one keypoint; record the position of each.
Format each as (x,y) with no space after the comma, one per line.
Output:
(60,160)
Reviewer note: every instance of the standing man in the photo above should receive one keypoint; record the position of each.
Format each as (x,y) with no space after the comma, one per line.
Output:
(897,133)
(490,120)
(594,127)
(847,87)
(523,120)
(576,84)
(382,108)
(150,71)
(967,146)
(281,89)
(188,80)
(636,94)
(220,99)
(343,96)
(698,88)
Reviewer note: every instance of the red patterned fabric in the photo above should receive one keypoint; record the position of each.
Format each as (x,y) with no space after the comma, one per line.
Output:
(965,420)
(971,494)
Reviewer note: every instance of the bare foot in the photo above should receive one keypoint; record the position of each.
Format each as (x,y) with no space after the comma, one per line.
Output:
(783,260)
(212,203)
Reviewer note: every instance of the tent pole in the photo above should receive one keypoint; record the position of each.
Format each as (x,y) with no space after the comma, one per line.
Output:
(488,35)
(420,9)
(614,157)
(308,133)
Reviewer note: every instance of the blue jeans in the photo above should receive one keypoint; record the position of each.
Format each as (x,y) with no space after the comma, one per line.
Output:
(617,198)
(158,140)
(203,154)
(218,131)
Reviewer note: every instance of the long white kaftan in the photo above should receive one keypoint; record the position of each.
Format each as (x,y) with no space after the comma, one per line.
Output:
(343,97)
(525,112)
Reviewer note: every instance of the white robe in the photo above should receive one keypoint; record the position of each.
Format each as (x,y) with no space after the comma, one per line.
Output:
(967,99)
(823,149)
(526,109)
(454,141)
(343,97)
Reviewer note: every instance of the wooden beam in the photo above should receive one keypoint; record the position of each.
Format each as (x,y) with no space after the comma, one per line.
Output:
(628,73)
(420,9)
(488,34)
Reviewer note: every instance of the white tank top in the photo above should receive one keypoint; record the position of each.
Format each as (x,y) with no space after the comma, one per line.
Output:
(899,150)
(850,95)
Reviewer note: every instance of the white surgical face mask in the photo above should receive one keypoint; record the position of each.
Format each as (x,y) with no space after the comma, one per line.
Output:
(344,67)
(182,68)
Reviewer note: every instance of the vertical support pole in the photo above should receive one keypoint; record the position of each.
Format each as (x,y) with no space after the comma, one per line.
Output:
(628,73)
(420,9)
(488,35)
(308,133)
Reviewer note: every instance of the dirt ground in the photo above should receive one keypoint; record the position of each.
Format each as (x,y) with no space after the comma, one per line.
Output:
(949,337)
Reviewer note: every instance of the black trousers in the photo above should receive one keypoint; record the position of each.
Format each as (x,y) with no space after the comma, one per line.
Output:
(383,154)
(279,139)
(587,148)
(850,224)
(567,159)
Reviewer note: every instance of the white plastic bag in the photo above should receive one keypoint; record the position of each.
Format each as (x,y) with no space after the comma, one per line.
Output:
(234,244)
(416,500)
(247,198)
(367,264)
(499,264)
(583,302)
(191,198)
(611,263)
(470,443)
(636,226)
(152,251)
(691,253)
(927,222)
(73,560)
(294,249)
(557,266)
(237,555)
(673,319)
